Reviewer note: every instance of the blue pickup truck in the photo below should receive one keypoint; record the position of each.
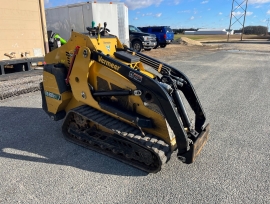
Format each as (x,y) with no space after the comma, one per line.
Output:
(164,34)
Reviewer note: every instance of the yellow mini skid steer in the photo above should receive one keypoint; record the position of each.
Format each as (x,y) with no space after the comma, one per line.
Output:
(122,103)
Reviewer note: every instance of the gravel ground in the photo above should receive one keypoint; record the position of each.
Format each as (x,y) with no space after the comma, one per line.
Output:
(19,83)
(20,86)
(38,166)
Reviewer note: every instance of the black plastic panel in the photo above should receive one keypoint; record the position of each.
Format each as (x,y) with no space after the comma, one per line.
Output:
(59,115)
(125,56)
(60,73)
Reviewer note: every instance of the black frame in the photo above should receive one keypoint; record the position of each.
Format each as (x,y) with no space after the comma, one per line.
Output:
(27,61)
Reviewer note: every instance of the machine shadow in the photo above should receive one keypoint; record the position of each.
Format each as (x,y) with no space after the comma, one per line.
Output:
(29,134)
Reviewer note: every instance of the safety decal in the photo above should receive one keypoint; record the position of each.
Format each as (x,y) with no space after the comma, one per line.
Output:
(108,47)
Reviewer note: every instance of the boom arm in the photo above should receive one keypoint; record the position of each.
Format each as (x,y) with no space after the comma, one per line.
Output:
(177,118)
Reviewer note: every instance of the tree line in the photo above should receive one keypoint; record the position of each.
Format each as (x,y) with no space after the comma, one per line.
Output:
(255,30)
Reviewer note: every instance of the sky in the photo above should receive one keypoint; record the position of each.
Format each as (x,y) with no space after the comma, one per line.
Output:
(211,14)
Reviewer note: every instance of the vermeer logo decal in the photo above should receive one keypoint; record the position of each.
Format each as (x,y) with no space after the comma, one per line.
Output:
(135,76)
(108,64)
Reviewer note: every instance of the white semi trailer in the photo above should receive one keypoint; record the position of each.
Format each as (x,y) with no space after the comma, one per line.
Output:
(77,17)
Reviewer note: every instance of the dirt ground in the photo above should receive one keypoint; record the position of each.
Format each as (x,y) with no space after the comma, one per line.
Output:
(186,47)
(177,50)
(259,45)
(180,49)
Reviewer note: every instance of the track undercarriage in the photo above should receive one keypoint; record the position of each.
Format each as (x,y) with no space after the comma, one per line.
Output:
(128,144)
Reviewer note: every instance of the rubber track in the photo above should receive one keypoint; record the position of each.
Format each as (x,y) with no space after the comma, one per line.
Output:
(155,145)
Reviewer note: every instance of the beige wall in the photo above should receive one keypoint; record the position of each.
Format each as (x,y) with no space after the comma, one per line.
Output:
(21,28)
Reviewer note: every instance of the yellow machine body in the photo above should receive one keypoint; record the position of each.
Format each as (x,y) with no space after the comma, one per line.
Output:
(73,76)
(85,72)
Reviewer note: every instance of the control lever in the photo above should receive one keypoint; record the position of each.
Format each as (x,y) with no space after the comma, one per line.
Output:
(105,30)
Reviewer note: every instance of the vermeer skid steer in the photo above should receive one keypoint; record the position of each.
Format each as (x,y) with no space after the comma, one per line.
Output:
(120,103)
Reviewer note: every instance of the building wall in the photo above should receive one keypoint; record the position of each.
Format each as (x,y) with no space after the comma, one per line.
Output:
(21,28)
(206,32)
